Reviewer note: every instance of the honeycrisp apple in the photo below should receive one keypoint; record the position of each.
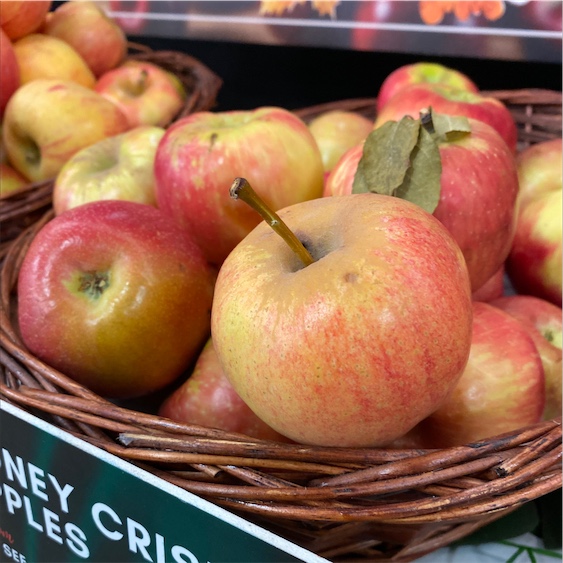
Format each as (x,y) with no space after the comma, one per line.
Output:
(200,155)
(95,36)
(359,345)
(501,389)
(115,296)
(451,101)
(42,56)
(22,17)
(336,131)
(543,321)
(146,93)
(535,263)
(208,398)
(118,167)
(478,187)
(9,71)
(48,121)
(422,72)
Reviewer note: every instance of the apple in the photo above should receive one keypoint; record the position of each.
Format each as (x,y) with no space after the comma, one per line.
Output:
(493,288)
(355,348)
(96,37)
(135,21)
(501,389)
(146,93)
(115,296)
(43,56)
(9,71)
(539,169)
(422,72)
(544,323)
(336,131)
(10,179)
(118,167)
(208,398)
(22,17)
(48,121)
(478,196)
(451,101)
(201,154)
(534,265)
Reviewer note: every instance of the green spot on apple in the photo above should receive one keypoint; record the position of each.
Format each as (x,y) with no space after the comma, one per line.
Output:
(32,153)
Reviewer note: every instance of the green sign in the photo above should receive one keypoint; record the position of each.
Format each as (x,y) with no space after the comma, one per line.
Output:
(63,500)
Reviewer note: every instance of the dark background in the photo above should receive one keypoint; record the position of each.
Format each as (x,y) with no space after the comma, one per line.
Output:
(295,77)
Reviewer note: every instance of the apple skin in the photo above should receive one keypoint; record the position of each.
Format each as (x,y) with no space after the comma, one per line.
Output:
(22,17)
(539,169)
(9,71)
(544,323)
(48,121)
(208,398)
(358,347)
(478,198)
(43,57)
(201,154)
(422,72)
(337,131)
(535,263)
(10,179)
(95,36)
(501,389)
(118,167)
(493,288)
(451,101)
(146,93)
(116,297)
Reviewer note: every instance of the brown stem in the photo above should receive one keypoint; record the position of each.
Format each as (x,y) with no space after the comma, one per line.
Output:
(241,189)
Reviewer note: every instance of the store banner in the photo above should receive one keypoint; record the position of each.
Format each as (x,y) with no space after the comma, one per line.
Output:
(63,500)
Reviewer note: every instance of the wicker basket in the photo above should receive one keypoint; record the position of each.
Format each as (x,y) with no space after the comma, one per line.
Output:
(342,503)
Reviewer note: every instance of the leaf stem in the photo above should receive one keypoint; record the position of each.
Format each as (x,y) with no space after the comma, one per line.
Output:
(241,189)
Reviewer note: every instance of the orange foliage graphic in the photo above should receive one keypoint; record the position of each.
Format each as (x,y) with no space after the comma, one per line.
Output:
(433,11)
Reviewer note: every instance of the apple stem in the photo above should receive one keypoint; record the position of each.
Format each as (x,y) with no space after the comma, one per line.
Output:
(426,120)
(241,189)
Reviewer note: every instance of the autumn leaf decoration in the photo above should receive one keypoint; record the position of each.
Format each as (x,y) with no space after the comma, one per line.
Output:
(278,7)
(432,12)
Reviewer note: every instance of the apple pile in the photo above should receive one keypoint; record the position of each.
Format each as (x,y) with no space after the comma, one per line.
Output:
(66,84)
(353,302)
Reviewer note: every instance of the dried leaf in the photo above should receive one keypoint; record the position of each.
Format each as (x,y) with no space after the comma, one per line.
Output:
(386,157)
(421,185)
(449,127)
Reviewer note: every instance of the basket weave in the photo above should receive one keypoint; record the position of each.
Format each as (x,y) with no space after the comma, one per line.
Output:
(344,504)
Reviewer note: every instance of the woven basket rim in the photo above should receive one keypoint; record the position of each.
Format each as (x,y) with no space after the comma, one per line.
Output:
(430,497)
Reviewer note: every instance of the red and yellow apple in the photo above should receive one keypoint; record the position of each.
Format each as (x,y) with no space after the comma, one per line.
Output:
(48,121)
(534,265)
(336,131)
(115,296)
(10,179)
(201,154)
(118,167)
(43,57)
(9,71)
(478,194)
(422,73)
(410,100)
(543,321)
(208,398)
(146,93)
(22,17)
(94,36)
(356,348)
(493,288)
(501,389)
